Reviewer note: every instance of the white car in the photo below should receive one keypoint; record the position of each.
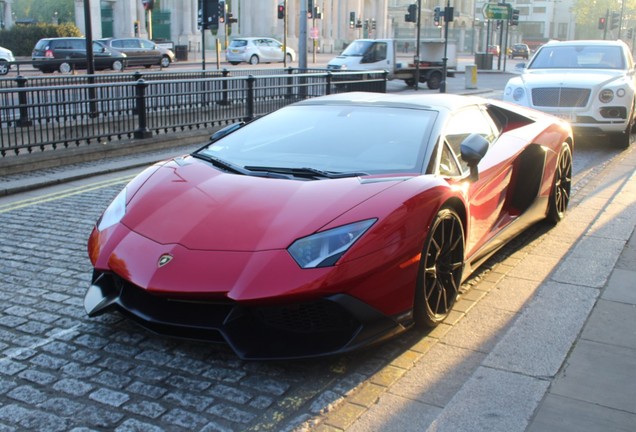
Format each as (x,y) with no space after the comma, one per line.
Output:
(589,83)
(255,50)
(6,56)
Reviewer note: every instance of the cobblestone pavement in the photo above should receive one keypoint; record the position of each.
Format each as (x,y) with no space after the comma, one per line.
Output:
(60,371)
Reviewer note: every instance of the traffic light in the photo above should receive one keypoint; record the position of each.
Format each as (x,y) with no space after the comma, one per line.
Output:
(231,19)
(514,18)
(615,19)
(352,20)
(310,8)
(373,24)
(412,15)
(437,16)
(281,11)
(630,33)
(601,23)
(209,18)
(317,14)
(136,27)
(449,14)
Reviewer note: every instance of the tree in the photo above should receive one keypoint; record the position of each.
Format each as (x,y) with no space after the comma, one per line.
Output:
(44,10)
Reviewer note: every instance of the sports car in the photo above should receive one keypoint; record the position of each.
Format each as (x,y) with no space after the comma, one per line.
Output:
(330,224)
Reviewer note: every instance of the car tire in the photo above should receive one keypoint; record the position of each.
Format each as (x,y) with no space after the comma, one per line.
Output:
(254,60)
(165,62)
(117,66)
(561,186)
(440,270)
(65,68)
(434,80)
(4,67)
(289,58)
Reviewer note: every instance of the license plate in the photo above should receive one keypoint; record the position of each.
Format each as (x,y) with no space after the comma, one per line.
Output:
(569,117)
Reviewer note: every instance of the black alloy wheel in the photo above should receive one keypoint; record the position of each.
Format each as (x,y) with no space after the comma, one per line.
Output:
(441,267)
(561,185)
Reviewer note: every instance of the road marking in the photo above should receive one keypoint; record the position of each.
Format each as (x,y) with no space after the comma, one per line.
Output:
(64,194)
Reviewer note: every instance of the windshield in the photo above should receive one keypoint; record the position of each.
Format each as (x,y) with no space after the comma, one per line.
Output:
(335,139)
(578,57)
(357,48)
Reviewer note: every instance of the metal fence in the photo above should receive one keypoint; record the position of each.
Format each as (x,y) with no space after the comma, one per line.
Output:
(46,113)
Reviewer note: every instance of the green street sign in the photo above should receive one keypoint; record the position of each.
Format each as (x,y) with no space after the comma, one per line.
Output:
(494,11)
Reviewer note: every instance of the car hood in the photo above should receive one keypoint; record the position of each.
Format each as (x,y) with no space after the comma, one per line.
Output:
(188,202)
(568,77)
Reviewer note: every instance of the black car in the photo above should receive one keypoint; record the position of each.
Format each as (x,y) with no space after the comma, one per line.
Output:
(69,53)
(520,50)
(141,52)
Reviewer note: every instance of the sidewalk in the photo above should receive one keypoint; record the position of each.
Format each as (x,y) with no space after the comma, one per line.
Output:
(565,363)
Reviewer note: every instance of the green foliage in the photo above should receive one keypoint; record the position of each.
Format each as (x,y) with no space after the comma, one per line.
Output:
(44,10)
(22,38)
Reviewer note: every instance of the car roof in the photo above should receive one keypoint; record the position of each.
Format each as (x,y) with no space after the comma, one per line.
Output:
(593,42)
(436,101)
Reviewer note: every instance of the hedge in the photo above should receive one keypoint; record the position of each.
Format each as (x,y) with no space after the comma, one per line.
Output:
(22,38)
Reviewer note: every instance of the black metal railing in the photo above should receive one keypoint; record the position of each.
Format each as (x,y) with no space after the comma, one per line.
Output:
(45,113)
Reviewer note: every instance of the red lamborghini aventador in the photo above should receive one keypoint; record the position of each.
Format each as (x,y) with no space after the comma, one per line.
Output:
(329,224)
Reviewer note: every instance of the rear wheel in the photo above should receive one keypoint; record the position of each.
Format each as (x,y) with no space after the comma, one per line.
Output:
(65,68)
(440,272)
(561,184)
(434,80)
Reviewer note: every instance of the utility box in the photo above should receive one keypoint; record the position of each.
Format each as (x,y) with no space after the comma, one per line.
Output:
(483,61)
(471,77)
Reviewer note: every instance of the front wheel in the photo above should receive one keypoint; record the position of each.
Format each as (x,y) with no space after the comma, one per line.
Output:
(561,184)
(117,66)
(440,271)
(254,60)
(165,61)
(289,58)
(4,67)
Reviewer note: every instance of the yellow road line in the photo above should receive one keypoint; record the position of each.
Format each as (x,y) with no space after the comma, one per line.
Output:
(63,194)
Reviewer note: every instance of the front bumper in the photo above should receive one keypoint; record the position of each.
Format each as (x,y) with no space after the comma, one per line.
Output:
(331,325)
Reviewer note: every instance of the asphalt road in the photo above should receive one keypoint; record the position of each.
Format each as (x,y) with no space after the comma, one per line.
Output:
(60,370)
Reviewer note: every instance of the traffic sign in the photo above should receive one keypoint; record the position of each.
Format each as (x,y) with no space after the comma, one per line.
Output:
(501,11)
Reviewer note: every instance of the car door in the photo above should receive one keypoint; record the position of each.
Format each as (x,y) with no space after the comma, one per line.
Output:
(486,195)
(275,50)
(150,51)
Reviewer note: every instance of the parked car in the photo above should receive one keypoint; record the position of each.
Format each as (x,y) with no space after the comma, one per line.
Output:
(330,224)
(520,50)
(590,83)
(69,53)
(6,58)
(494,50)
(141,52)
(255,50)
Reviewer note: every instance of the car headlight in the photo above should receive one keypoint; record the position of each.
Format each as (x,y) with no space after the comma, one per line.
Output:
(606,95)
(114,212)
(620,92)
(323,249)
(518,93)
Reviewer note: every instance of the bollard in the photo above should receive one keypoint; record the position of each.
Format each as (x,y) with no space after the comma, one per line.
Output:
(471,76)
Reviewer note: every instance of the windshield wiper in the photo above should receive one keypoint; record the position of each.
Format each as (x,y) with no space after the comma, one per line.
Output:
(306,172)
(219,163)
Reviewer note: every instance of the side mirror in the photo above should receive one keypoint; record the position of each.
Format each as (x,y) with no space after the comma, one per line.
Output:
(473,149)
(226,131)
